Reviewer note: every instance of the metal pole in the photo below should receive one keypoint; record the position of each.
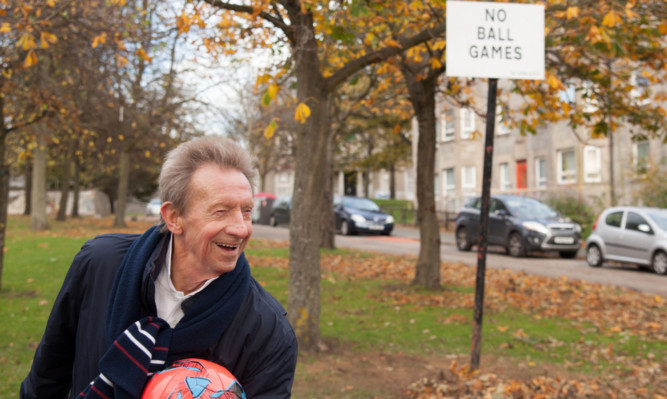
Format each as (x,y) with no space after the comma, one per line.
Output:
(484,226)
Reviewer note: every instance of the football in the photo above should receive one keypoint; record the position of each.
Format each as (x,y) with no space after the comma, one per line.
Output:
(193,379)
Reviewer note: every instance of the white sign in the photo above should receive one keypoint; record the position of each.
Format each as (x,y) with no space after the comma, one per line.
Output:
(495,40)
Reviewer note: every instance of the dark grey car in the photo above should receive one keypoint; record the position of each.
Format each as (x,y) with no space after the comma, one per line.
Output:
(630,234)
(520,224)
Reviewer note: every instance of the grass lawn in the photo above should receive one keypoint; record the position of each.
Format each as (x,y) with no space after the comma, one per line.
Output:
(371,316)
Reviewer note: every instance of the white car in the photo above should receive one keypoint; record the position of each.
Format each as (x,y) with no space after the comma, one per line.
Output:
(630,234)
(153,207)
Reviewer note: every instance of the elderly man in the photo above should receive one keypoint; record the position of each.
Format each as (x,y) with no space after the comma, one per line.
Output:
(187,277)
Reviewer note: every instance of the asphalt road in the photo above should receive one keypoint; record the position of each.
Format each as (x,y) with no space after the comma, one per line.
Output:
(405,241)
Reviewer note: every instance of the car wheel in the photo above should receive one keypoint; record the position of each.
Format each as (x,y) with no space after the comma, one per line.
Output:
(568,254)
(345,228)
(272,221)
(594,256)
(462,241)
(660,263)
(515,246)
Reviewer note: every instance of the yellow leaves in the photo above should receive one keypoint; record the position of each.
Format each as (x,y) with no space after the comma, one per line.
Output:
(51,3)
(612,19)
(572,12)
(301,113)
(628,10)
(100,39)
(26,42)
(439,44)
(502,328)
(273,90)
(662,28)
(555,83)
(46,39)
(5,27)
(270,129)
(122,61)
(435,63)
(147,153)
(142,54)
(30,59)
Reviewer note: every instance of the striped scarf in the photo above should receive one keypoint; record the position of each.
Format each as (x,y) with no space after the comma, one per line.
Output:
(136,354)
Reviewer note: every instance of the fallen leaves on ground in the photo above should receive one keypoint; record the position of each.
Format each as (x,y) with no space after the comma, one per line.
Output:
(593,308)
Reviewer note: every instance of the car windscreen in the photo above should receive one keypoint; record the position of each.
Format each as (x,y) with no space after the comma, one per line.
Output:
(361,203)
(660,218)
(527,207)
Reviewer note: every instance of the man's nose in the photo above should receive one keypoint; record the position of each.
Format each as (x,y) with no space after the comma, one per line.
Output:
(238,226)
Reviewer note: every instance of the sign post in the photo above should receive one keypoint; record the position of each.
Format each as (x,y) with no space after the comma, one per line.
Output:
(492,40)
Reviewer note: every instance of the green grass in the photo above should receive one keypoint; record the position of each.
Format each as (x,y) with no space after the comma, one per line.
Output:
(355,312)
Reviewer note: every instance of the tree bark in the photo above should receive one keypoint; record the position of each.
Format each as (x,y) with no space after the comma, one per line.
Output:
(76,190)
(38,219)
(328,219)
(64,189)
(422,97)
(123,185)
(27,186)
(303,302)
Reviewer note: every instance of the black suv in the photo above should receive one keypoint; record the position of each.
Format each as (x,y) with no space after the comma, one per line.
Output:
(520,224)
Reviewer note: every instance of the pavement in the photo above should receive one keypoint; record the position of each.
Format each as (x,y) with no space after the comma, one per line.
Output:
(446,237)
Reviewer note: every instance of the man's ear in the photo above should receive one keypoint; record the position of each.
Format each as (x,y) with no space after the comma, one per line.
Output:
(171,217)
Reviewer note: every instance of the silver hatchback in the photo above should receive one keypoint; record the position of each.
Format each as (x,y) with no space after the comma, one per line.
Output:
(630,234)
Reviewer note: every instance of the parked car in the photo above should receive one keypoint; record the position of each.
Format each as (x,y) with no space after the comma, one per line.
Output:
(629,234)
(280,211)
(360,215)
(153,207)
(520,224)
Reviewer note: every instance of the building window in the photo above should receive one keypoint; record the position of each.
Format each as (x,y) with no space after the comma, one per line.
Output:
(468,177)
(567,169)
(502,120)
(641,155)
(592,164)
(467,123)
(447,128)
(540,172)
(449,182)
(505,183)
(436,185)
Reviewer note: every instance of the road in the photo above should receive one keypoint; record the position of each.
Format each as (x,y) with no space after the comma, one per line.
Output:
(405,241)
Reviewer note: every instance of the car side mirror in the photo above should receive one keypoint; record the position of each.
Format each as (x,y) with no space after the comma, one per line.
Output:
(645,228)
(502,213)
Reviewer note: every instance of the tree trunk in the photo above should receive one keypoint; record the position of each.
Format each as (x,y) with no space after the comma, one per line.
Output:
(76,189)
(38,215)
(123,186)
(328,219)
(27,188)
(4,186)
(422,97)
(303,302)
(392,181)
(64,189)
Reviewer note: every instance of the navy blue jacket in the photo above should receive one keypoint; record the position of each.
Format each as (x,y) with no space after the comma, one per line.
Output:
(259,347)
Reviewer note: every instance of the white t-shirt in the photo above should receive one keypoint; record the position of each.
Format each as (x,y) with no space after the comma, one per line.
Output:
(168,300)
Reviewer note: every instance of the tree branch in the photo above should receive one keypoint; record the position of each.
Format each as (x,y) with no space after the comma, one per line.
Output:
(276,21)
(383,54)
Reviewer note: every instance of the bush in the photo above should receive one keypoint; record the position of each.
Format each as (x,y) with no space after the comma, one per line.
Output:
(653,188)
(576,209)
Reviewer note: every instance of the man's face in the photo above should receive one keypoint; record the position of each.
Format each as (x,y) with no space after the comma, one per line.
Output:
(217,222)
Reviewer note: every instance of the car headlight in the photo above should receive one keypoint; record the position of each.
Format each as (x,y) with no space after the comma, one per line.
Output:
(390,219)
(535,226)
(358,218)
(577,227)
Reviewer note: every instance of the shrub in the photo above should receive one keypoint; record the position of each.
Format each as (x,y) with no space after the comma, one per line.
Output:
(576,209)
